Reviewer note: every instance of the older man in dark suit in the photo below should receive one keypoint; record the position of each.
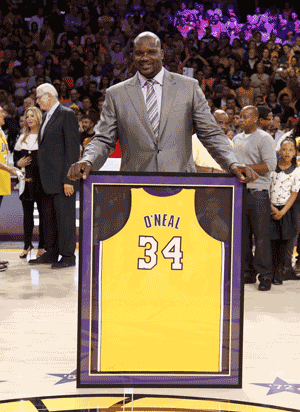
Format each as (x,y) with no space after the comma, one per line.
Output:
(153,116)
(59,143)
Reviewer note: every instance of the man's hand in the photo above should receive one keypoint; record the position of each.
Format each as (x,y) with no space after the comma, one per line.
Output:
(79,170)
(68,190)
(245,173)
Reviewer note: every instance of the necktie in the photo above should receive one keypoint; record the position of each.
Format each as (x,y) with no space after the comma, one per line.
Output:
(152,107)
(44,125)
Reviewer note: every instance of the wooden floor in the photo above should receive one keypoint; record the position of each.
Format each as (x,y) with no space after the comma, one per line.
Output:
(38,332)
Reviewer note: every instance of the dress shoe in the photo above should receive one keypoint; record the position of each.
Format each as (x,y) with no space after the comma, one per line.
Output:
(41,260)
(3,267)
(277,277)
(64,263)
(297,267)
(265,283)
(277,281)
(289,274)
(4,262)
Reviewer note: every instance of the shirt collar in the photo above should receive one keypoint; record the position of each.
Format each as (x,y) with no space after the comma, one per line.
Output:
(159,78)
(249,134)
(53,108)
(245,136)
(286,171)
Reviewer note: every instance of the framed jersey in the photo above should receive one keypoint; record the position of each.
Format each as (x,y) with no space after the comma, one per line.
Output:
(160,301)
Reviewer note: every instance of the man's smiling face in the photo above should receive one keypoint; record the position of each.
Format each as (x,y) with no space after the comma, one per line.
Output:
(148,56)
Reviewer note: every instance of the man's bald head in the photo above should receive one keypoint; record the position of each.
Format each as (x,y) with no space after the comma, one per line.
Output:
(251,110)
(219,112)
(221,118)
(149,35)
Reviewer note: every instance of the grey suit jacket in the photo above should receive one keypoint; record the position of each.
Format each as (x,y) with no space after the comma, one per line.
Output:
(183,108)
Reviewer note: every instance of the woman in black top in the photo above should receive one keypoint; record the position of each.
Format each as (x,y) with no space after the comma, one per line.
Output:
(25,157)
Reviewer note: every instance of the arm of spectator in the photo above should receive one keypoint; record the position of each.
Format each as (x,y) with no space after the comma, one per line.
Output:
(11,169)
(185,61)
(197,56)
(272,76)
(127,47)
(261,169)
(267,154)
(278,214)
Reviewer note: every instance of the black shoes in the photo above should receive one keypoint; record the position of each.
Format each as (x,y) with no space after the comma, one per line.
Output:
(64,263)
(277,281)
(289,274)
(41,260)
(265,283)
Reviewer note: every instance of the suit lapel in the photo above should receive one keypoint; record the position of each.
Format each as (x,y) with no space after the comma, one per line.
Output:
(40,134)
(168,94)
(52,119)
(134,91)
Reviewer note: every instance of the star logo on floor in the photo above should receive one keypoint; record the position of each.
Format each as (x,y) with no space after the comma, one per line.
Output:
(65,377)
(280,385)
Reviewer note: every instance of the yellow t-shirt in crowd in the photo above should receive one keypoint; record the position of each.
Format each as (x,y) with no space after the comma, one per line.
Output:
(4,176)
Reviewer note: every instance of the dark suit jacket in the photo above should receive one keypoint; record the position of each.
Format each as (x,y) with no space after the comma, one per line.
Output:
(58,149)
(183,108)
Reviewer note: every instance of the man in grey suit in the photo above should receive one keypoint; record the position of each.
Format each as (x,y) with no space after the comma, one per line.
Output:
(153,115)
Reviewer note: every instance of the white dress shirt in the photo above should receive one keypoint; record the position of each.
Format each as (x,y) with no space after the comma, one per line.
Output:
(48,117)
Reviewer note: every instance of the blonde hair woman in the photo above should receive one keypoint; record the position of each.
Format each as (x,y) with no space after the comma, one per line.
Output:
(25,157)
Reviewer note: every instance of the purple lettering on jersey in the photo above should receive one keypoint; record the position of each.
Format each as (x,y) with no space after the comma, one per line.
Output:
(147,221)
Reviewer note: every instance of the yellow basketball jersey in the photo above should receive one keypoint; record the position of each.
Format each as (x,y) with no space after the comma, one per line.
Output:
(161,292)
(4,176)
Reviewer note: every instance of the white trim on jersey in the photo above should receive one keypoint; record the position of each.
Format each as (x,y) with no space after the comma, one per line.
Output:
(222,307)
(100,306)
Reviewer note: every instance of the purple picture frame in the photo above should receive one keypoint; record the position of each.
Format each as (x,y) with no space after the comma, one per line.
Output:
(231,374)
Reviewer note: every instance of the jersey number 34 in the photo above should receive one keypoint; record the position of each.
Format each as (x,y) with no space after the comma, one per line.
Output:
(171,251)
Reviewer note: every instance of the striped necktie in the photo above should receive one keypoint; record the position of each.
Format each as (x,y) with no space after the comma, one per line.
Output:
(152,107)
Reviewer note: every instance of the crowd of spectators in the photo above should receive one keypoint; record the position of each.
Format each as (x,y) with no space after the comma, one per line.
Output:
(84,47)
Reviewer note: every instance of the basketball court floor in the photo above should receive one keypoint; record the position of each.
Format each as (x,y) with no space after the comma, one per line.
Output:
(38,346)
